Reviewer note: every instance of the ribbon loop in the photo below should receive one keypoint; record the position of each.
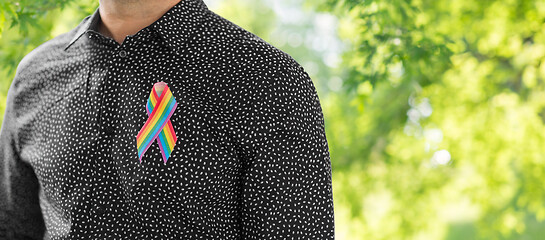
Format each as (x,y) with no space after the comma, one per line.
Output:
(158,125)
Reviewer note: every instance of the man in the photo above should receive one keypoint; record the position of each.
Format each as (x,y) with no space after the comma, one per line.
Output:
(163,120)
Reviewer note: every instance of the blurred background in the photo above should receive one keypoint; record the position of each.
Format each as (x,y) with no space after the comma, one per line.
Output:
(434,110)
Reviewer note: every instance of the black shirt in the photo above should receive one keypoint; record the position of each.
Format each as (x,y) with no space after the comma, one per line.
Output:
(250,158)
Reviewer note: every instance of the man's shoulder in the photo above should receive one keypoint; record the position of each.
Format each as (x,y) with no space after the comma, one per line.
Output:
(266,70)
(47,52)
(30,88)
(247,47)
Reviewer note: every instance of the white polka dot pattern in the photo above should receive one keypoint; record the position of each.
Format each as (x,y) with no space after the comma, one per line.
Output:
(251,160)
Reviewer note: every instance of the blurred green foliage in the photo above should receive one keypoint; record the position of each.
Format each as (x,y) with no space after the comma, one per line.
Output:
(444,139)
(24,25)
(437,130)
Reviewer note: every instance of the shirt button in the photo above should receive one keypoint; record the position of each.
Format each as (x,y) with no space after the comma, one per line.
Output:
(122,53)
(110,130)
(100,209)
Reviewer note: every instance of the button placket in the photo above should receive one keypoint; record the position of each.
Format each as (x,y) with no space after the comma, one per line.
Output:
(107,128)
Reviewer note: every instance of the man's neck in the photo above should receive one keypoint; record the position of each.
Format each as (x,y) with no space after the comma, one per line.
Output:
(120,18)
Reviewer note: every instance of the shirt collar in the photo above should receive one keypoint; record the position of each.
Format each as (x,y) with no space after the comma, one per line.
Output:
(173,27)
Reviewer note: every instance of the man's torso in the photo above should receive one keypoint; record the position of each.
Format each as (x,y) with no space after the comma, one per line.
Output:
(86,105)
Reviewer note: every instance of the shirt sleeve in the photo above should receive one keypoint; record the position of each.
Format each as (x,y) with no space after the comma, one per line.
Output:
(20,213)
(286,183)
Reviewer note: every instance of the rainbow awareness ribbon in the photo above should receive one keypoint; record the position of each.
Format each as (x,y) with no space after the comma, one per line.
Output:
(158,125)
